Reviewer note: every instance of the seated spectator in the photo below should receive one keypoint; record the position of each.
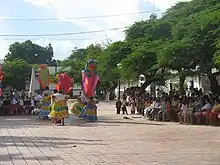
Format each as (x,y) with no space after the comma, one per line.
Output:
(204,112)
(214,113)
(37,99)
(148,107)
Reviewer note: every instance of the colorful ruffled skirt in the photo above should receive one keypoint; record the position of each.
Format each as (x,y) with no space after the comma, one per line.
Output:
(89,113)
(77,109)
(59,110)
(45,107)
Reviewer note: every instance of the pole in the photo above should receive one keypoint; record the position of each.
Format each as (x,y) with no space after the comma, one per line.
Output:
(55,68)
(119,89)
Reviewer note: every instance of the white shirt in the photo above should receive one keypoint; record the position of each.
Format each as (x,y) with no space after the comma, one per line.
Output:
(184,108)
(47,92)
(153,104)
(157,105)
(207,106)
(59,96)
(38,98)
(32,103)
(14,101)
(21,102)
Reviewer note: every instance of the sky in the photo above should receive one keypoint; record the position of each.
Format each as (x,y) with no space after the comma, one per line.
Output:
(63,45)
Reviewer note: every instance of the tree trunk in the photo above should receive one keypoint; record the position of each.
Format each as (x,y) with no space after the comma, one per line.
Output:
(214,84)
(182,79)
(112,89)
(146,84)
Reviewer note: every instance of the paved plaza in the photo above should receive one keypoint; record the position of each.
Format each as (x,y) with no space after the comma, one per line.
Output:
(110,141)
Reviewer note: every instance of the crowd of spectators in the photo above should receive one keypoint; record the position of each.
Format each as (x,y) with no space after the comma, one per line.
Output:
(196,108)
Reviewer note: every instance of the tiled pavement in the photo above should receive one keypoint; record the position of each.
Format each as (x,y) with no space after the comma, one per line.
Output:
(111,141)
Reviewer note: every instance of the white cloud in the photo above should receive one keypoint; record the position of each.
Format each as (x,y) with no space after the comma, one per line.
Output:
(164,4)
(61,48)
(76,8)
(80,8)
(4,45)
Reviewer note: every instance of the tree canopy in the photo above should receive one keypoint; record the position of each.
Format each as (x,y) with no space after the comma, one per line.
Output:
(30,52)
(16,73)
(21,57)
(186,39)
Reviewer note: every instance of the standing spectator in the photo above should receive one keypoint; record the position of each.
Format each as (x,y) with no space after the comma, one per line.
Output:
(168,109)
(155,108)
(124,108)
(118,106)
(132,105)
(183,113)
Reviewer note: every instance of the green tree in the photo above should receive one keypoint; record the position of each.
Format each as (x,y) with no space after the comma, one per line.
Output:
(195,30)
(16,73)
(108,64)
(178,56)
(146,38)
(30,52)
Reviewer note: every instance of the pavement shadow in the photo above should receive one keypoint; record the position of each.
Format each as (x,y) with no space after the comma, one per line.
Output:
(83,123)
(129,122)
(50,142)
(14,157)
(14,122)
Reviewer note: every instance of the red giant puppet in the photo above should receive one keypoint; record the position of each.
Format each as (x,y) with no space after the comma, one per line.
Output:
(65,83)
(1,79)
(87,109)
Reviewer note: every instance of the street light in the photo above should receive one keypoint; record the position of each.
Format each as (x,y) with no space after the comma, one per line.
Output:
(119,82)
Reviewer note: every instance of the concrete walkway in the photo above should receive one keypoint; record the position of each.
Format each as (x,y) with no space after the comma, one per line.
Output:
(110,141)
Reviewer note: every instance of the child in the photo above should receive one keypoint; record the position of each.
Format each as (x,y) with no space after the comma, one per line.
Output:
(183,113)
(118,106)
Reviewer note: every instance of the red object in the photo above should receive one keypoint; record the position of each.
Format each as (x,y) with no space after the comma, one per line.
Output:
(1,74)
(89,84)
(65,83)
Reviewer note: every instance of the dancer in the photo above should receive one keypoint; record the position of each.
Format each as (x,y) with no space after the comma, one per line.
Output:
(90,79)
(59,108)
(45,106)
(89,112)
(77,107)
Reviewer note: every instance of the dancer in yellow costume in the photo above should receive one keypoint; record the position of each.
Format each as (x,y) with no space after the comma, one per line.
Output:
(59,108)
(77,107)
(45,106)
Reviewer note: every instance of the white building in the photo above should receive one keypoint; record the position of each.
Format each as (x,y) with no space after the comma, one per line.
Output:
(195,82)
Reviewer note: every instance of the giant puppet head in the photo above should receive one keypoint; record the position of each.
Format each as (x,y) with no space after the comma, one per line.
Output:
(44,76)
(1,79)
(1,75)
(90,68)
(90,78)
(65,82)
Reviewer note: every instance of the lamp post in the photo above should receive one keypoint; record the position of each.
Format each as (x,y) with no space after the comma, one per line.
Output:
(119,83)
